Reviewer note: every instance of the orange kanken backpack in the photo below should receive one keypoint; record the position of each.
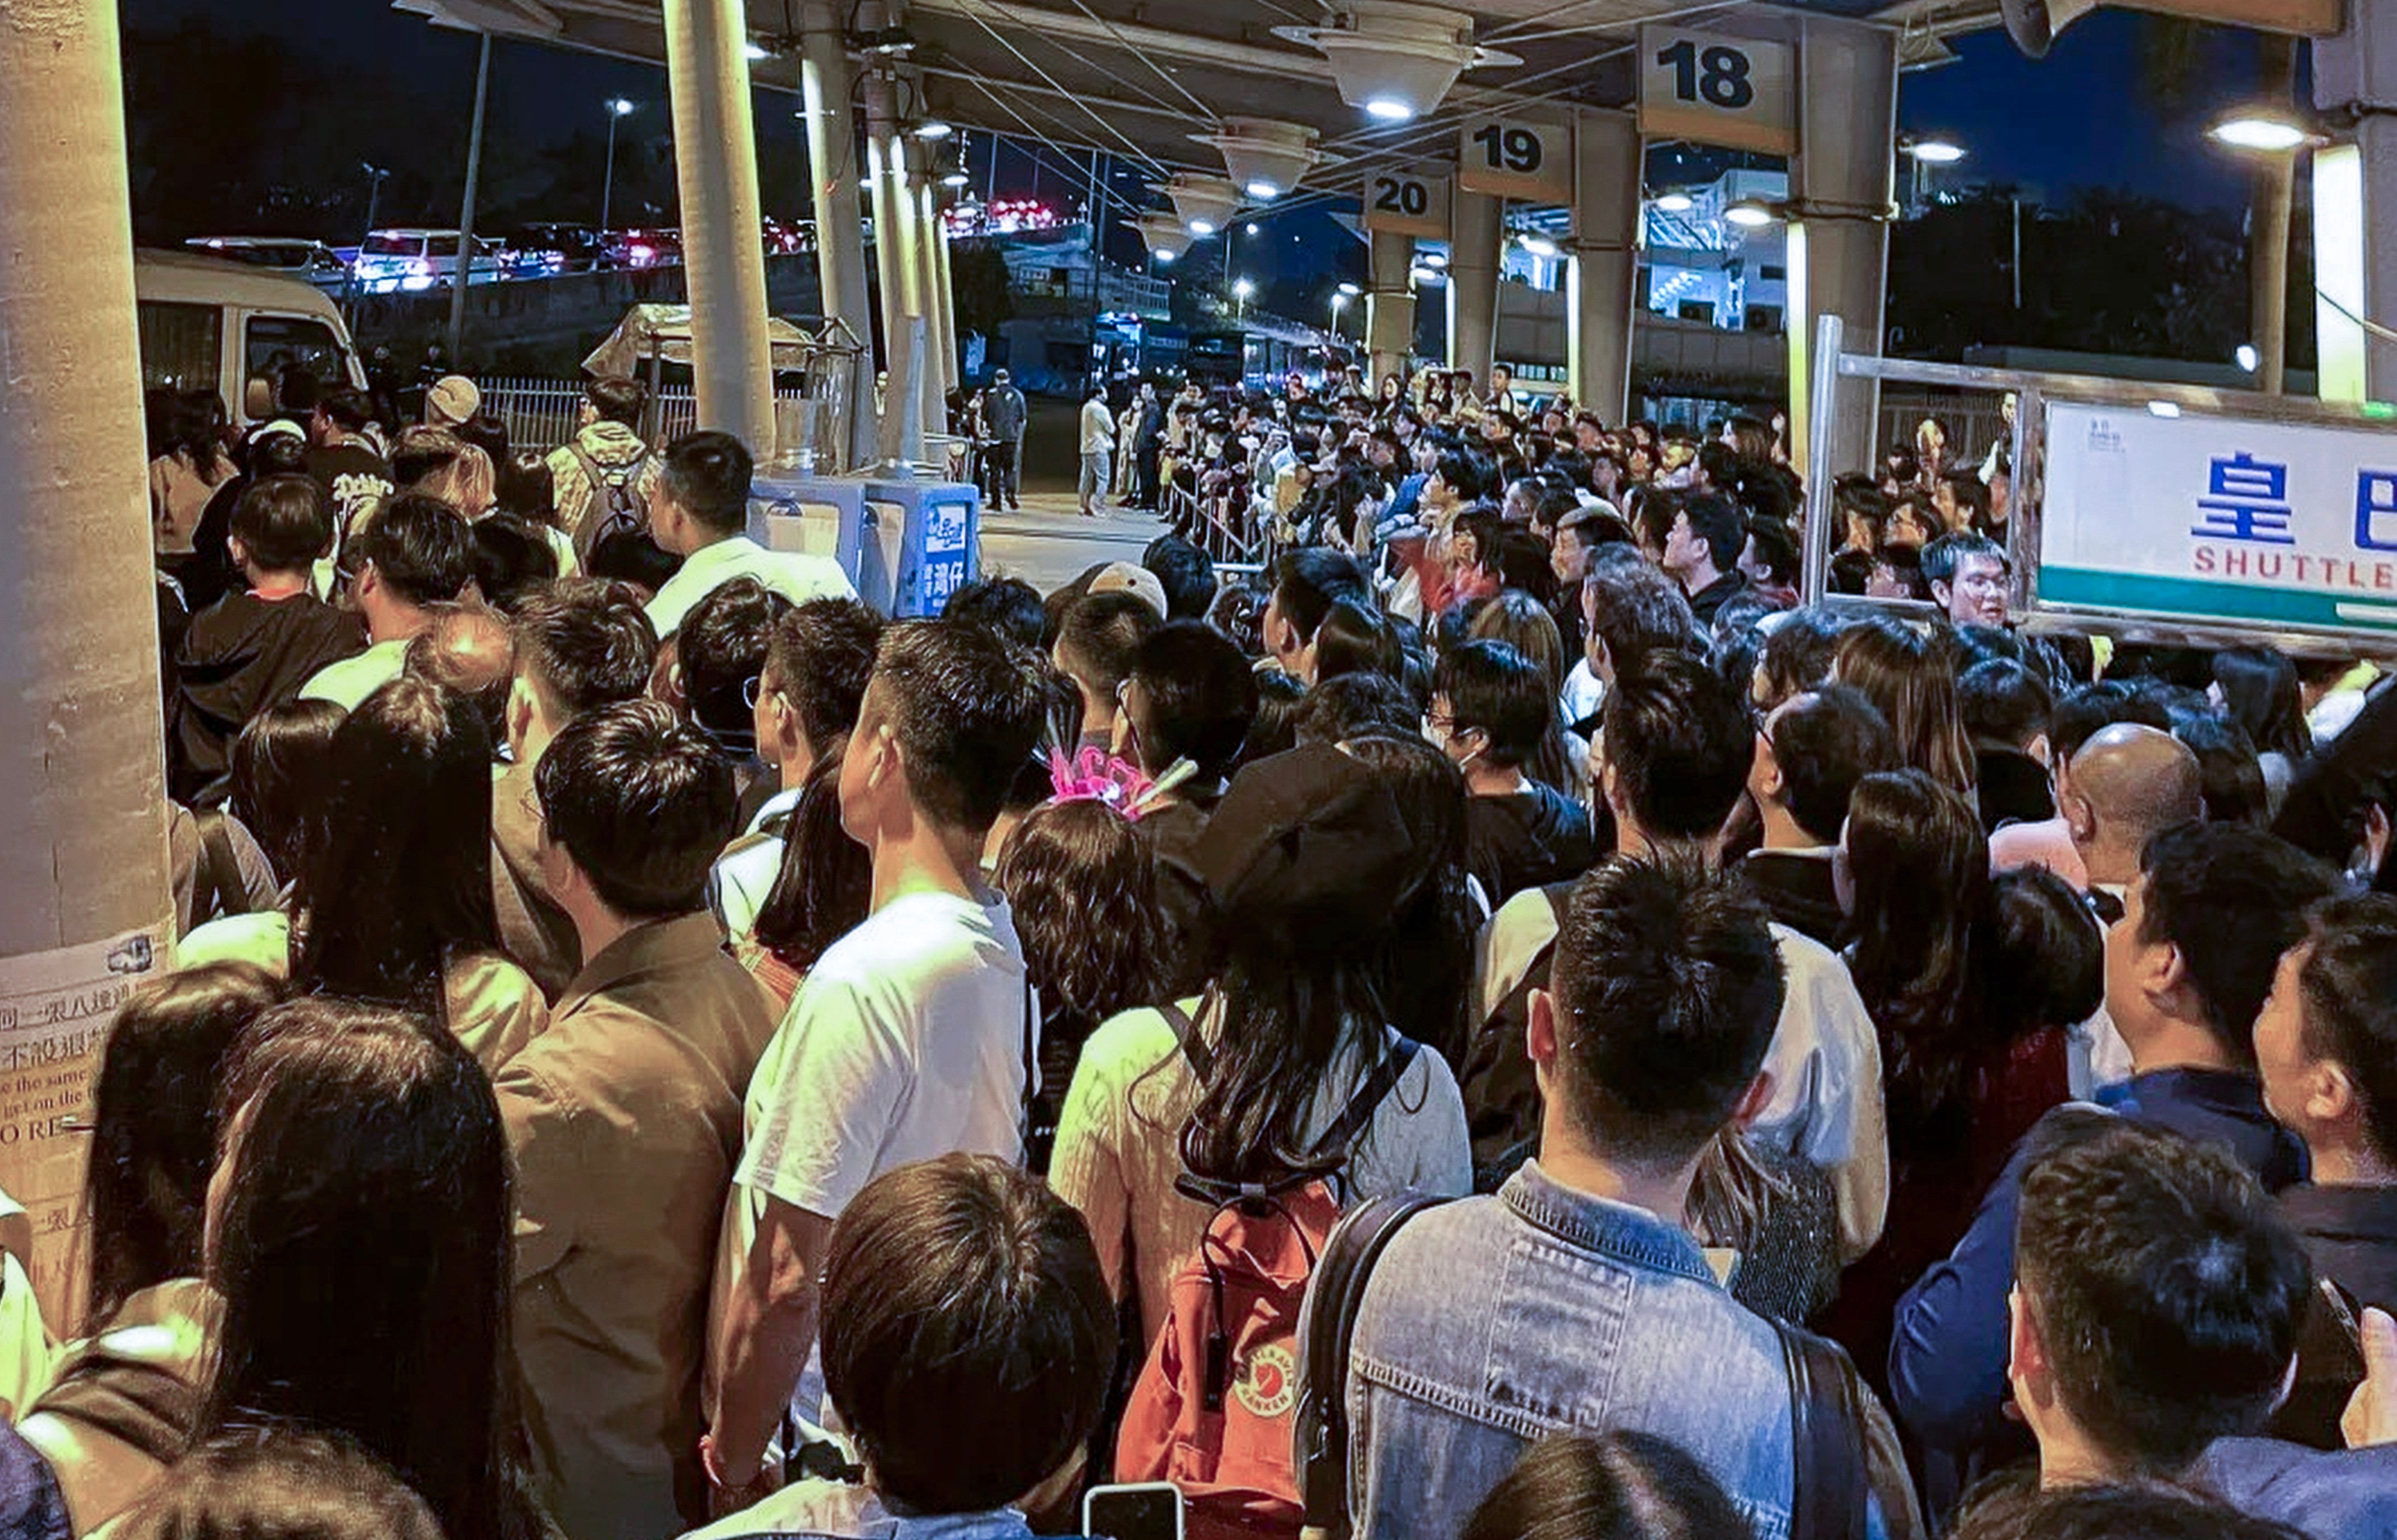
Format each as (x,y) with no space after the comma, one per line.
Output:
(1213,1409)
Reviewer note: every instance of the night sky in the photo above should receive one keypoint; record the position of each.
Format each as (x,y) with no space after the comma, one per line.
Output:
(2086,115)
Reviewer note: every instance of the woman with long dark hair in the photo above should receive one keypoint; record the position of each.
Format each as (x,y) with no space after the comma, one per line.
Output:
(1286,1069)
(394,898)
(1971,984)
(1082,883)
(1426,962)
(360,1236)
(1912,680)
(823,890)
(187,473)
(123,1398)
(2257,687)
(1607,1486)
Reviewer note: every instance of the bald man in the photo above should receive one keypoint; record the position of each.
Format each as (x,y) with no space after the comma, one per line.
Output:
(2126,785)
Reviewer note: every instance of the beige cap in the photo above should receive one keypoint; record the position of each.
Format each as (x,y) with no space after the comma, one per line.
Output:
(1122,576)
(452,400)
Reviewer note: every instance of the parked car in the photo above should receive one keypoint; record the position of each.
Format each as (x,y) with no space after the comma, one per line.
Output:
(208,323)
(408,261)
(545,249)
(646,248)
(292,256)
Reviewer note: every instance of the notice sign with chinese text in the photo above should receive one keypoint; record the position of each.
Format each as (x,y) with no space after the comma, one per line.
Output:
(2221,520)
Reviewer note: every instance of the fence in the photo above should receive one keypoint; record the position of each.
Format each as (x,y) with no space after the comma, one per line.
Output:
(543,414)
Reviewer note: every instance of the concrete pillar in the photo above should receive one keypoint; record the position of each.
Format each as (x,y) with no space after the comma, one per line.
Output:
(894,263)
(945,285)
(82,799)
(1841,181)
(1474,223)
(825,83)
(928,270)
(723,248)
(1390,308)
(2360,65)
(1607,173)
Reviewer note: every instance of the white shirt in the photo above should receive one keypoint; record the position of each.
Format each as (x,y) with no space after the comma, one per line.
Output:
(797,578)
(744,877)
(905,1041)
(1825,1061)
(349,682)
(1098,428)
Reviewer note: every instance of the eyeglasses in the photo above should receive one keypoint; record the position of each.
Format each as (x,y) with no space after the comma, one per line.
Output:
(753,687)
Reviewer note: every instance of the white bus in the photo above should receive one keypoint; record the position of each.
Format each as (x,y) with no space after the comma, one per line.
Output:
(209,324)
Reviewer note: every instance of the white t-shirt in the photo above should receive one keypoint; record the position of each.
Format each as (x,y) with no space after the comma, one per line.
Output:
(1098,428)
(906,1042)
(745,874)
(797,578)
(349,682)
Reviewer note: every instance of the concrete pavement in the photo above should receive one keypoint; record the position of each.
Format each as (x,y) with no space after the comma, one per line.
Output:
(1049,544)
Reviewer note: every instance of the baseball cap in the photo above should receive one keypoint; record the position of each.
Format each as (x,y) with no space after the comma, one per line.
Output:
(1122,576)
(452,400)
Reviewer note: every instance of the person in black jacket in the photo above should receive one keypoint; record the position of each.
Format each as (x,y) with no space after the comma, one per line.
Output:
(2326,1045)
(255,647)
(1491,708)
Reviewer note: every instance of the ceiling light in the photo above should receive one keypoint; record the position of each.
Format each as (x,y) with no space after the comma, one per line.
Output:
(1393,59)
(1204,203)
(1748,214)
(1250,228)
(1351,290)
(755,50)
(1537,245)
(1426,274)
(2270,129)
(1435,259)
(933,129)
(2163,409)
(1675,203)
(1934,152)
(1263,157)
(1164,234)
(956,179)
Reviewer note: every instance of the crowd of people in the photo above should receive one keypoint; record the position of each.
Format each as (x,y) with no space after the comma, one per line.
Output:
(1502,1025)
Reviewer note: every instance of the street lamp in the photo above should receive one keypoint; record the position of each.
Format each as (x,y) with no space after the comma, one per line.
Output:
(2272,130)
(617,108)
(1339,304)
(374,195)
(1926,152)
(1240,291)
(1748,214)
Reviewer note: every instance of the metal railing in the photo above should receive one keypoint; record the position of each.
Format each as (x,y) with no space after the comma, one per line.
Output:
(543,414)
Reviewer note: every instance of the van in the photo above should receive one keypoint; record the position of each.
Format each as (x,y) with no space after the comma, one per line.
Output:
(296,258)
(209,324)
(412,260)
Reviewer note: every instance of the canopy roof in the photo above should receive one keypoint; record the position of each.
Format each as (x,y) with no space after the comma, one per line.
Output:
(1139,78)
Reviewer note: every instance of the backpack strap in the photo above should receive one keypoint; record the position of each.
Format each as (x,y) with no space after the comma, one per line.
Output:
(1326,1331)
(1195,1051)
(1829,1481)
(1358,1115)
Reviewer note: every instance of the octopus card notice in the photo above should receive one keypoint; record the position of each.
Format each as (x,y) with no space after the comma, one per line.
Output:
(54,1012)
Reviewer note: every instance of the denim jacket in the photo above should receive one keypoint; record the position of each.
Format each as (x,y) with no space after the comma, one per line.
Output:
(1494,1321)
